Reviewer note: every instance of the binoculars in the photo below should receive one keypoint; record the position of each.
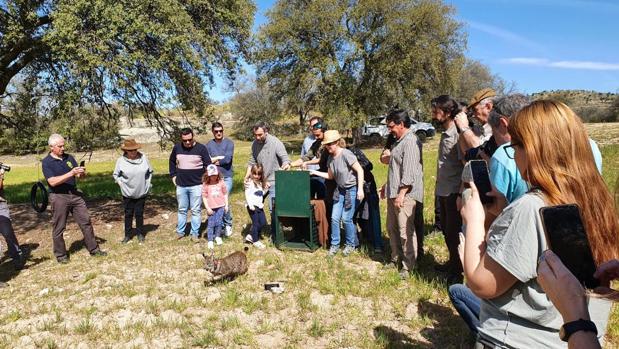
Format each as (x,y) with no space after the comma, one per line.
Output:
(6,168)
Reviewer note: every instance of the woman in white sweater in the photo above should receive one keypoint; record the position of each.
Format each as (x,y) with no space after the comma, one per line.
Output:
(133,174)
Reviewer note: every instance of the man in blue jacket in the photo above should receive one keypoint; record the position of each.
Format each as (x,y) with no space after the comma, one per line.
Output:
(188,163)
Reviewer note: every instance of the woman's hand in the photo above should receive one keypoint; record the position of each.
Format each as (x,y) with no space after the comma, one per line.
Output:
(472,210)
(209,211)
(562,287)
(360,195)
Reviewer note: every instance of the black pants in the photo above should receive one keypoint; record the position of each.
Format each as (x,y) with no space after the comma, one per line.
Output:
(134,207)
(419,227)
(258,220)
(6,228)
(452,224)
(62,205)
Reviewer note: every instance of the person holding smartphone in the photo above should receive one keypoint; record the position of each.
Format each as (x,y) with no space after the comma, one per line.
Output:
(60,171)
(501,268)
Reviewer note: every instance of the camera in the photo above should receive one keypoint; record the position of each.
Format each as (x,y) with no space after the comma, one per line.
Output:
(489,147)
(6,168)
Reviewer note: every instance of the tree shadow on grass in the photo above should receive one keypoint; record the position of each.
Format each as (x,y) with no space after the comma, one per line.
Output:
(448,330)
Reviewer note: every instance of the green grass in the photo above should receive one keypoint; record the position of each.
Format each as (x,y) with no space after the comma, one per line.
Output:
(327,302)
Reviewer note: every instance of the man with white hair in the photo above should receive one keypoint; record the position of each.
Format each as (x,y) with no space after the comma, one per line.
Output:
(481,104)
(60,171)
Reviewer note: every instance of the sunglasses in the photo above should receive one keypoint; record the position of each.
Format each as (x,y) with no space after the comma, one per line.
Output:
(218,131)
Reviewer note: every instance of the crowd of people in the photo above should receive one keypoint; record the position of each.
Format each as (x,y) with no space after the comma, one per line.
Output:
(508,288)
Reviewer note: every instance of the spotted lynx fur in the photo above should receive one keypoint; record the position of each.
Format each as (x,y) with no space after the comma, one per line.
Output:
(228,267)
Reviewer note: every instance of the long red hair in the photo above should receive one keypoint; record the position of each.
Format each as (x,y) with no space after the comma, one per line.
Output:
(561,164)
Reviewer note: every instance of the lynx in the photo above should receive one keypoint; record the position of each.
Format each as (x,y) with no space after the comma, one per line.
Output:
(228,267)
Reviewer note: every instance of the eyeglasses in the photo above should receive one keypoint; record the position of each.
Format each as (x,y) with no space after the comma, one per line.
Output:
(188,140)
(218,131)
(510,150)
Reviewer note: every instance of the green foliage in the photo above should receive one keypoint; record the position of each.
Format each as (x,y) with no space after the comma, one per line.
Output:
(254,103)
(350,59)
(475,76)
(590,106)
(141,56)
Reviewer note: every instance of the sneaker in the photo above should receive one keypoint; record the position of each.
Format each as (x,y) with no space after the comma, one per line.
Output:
(249,239)
(333,251)
(348,250)
(98,253)
(141,238)
(259,245)
(125,240)
(210,245)
(228,231)
(63,260)
(178,237)
(218,241)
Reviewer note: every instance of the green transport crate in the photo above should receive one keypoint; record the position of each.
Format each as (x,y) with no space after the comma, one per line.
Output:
(295,227)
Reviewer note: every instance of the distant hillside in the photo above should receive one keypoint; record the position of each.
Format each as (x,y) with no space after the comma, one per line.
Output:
(591,106)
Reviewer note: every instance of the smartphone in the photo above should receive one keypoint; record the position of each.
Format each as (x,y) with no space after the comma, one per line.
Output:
(479,168)
(566,236)
(82,163)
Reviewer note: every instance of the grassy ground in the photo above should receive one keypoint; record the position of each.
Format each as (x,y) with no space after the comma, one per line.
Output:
(153,295)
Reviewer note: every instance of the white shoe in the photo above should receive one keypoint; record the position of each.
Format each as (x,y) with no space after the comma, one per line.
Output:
(259,245)
(228,231)
(210,245)
(218,241)
(249,239)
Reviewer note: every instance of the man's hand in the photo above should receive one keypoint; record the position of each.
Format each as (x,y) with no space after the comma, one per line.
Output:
(385,156)
(78,172)
(360,195)
(285,166)
(461,120)
(174,180)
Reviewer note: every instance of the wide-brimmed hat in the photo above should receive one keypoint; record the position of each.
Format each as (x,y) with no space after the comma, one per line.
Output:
(130,144)
(480,96)
(211,170)
(331,136)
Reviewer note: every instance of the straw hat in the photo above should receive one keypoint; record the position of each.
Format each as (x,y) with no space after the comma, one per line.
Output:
(331,136)
(480,96)
(130,144)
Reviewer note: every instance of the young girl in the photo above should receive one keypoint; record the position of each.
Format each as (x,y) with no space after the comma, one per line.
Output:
(254,195)
(215,197)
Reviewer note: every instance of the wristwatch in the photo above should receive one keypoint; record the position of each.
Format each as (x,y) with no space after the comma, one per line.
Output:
(572,327)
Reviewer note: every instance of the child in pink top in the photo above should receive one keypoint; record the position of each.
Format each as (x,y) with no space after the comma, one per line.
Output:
(215,198)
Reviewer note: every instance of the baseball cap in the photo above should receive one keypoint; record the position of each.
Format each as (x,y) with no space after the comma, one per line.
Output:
(211,170)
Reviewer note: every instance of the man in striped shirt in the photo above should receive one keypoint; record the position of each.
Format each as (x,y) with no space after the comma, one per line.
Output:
(188,163)
(403,189)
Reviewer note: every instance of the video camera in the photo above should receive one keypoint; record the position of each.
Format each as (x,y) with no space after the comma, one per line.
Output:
(6,168)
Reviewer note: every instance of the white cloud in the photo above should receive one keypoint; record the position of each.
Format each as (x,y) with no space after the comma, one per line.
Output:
(506,35)
(580,65)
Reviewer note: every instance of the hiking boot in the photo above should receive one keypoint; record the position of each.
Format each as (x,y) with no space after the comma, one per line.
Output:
(348,250)
(259,245)
(249,239)
(98,253)
(141,238)
(228,231)
(210,245)
(63,260)
(218,241)
(333,251)
(126,239)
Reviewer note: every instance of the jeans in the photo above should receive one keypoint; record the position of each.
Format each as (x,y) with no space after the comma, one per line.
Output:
(227,222)
(213,227)
(189,198)
(134,207)
(467,304)
(258,220)
(344,215)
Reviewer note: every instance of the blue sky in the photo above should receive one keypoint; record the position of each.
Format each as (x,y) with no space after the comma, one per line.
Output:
(538,44)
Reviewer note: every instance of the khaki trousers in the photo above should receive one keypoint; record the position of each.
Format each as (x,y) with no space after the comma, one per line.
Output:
(401,228)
